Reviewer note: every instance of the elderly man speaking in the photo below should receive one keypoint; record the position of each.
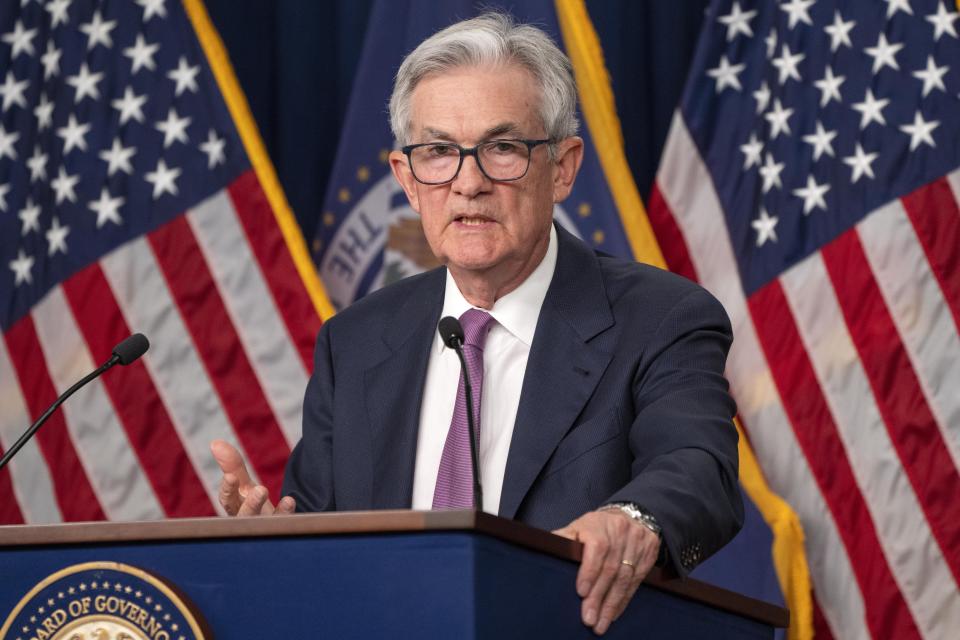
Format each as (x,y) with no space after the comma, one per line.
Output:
(598,383)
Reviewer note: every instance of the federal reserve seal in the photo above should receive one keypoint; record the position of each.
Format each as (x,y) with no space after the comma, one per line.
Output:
(101,601)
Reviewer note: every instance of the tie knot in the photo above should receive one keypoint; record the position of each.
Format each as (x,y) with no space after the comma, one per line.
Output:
(476,325)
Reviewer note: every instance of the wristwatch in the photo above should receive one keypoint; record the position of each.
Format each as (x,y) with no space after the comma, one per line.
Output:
(637,514)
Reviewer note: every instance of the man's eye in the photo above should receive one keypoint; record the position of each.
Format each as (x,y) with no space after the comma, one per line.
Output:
(441,150)
(504,147)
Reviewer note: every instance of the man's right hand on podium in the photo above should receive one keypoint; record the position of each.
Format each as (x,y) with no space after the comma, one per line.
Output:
(239,496)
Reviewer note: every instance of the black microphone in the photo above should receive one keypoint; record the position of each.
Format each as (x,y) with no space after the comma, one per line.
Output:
(124,353)
(452,335)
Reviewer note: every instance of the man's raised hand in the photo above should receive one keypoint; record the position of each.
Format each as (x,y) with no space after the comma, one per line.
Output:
(239,496)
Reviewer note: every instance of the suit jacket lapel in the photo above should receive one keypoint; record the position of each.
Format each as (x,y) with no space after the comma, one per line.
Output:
(563,368)
(393,392)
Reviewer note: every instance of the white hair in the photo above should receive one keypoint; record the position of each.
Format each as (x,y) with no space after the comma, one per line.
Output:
(491,40)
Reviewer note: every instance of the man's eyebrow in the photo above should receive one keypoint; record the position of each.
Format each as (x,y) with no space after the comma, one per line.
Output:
(497,131)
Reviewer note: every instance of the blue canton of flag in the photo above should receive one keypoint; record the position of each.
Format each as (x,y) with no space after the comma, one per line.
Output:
(836,108)
(106,134)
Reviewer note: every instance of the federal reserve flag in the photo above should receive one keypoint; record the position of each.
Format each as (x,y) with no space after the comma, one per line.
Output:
(135,196)
(811,181)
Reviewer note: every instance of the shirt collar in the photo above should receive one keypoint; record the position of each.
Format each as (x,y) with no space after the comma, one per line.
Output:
(519,310)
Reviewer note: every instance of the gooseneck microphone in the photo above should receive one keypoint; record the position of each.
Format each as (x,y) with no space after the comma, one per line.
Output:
(452,335)
(124,353)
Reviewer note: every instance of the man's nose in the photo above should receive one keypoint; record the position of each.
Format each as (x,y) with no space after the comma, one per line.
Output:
(471,180)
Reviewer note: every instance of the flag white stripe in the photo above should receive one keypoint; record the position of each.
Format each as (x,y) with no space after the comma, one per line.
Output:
(920,313)
(252,310)
(916,561)
(97,434)
(953,178)
(32,485)
(687,189)
(173,362)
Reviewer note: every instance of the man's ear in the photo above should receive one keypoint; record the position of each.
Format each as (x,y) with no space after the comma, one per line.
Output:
(569,157)
(403,174)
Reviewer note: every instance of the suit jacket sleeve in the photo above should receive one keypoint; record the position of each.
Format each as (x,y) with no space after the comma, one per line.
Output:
(682,439)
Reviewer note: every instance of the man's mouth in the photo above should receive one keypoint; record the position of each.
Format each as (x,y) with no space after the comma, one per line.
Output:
(472,221)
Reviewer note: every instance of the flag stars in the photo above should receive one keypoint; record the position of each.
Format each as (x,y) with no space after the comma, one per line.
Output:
(797,11)
(839,32)
(829,87)
(85,83)
(37,163)
(787,63)
(932,76)
(184,76)
(762,96)
(737,22)
(942,22)
(871,109)
(98,31)
(770,172)
(779,119)
(4,190)
(812,195)
(174,128)
(57,238)
(58,11)
(129,106)
(21,268)
(163,179)
(898,5)
(152,8)
(118,157)
(821,140)
(44,113)
(12,91)
(766,227)
(51,61)
(751,151)
(64,185)
(214,148)
(7,140)
(920,131)
(771,42)
(107,209)
(726,74)
(73,135)
(20,40)
(860,163)
(141,55)
(884,54)
(29,217)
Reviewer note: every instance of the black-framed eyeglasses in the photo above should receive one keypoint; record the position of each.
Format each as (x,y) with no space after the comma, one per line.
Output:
(500,160)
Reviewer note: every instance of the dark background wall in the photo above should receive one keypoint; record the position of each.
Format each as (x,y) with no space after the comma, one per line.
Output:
(296,60)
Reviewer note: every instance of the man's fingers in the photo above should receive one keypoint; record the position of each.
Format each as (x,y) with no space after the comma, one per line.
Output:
(286,505)
(230,461)
(256,503)
(624,583)
(229,494)
(610,571)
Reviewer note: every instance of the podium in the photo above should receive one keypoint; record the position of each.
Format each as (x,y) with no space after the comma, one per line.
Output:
(384,574)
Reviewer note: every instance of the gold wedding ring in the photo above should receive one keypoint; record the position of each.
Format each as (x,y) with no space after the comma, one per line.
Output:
(628,563)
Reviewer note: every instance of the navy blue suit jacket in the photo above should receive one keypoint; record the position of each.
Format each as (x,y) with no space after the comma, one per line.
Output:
(623,399)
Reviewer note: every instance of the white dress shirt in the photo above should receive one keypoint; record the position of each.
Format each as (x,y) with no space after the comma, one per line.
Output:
(504,363)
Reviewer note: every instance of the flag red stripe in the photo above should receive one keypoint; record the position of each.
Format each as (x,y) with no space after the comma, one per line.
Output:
(75,495)
(934,214)
(821,630)
(279,271)
(223,356)
(135,399)
(669,236)
(886,611)
(910,423)
(9,510)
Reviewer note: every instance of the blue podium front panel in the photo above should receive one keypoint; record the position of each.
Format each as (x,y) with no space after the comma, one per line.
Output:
(403,585)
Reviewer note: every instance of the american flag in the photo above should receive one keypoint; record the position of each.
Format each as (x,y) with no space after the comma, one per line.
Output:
(135,196)
(811,181)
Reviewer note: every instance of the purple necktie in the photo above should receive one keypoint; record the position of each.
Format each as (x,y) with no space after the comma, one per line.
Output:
(454,488)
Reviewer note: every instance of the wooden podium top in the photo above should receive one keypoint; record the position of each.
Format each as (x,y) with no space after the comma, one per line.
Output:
(360,522)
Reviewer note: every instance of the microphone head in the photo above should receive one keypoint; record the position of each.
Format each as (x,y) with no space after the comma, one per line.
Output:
(131,348)
(450,332)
